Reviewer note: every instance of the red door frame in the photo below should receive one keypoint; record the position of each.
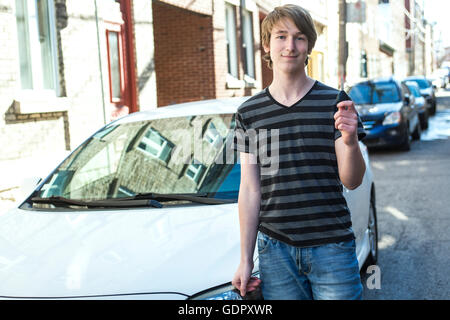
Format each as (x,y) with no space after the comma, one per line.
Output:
(126,7)
(127,59)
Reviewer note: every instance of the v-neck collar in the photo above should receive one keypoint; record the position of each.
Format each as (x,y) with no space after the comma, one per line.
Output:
(293,105)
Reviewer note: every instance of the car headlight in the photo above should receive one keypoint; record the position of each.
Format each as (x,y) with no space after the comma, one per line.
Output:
(226,292)
(392,118)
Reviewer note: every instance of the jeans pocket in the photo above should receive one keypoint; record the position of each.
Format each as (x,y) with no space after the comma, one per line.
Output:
(263,242)
(344,245)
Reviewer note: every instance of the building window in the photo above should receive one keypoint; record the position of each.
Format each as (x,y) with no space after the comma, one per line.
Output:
(37,44)
(212,136)
(363,69)
(195,170)
(247,28)
(124,192)
(155,145)
(114,63)
(230,30)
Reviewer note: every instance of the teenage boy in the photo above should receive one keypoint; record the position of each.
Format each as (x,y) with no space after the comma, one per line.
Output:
(298,214)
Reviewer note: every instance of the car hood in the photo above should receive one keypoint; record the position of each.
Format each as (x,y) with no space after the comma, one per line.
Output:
(426,91)
(366,110)
(169,251)
(420,101)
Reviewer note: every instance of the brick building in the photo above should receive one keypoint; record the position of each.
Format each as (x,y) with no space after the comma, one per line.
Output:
(68,67)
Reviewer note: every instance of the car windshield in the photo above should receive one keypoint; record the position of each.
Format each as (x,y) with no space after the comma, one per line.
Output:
(182,155)
(423,84)
(415,91)
(371,93)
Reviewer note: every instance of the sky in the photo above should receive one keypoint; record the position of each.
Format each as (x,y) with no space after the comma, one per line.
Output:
(439,11)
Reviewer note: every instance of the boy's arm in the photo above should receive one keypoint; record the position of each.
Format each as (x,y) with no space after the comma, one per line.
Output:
(249,204)
(350,161)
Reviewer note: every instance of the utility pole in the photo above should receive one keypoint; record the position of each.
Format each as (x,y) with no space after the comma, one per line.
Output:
(343,46)
(100,63)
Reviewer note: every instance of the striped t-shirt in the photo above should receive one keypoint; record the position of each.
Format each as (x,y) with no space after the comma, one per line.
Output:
(302,203)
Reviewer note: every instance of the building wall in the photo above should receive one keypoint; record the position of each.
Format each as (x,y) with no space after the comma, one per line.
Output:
(180,54)
(28,118)
(198,6)
(383,27)
(398,39)
(419,43)
(43,122)
(184,54)
(227,86)
(82,70)
(145,62)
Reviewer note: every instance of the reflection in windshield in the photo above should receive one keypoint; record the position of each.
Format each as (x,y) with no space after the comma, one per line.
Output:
(175,155)
(371,93)
(423,84)
(415,91)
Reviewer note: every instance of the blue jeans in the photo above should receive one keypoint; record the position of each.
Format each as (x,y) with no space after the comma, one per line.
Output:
(326,272)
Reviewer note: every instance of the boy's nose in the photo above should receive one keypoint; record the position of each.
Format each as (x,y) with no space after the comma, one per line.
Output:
(290,44)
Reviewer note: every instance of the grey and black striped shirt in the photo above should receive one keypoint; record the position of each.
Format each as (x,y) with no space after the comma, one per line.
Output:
(302,203)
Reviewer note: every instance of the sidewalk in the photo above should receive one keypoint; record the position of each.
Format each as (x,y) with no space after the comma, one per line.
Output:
(443,93)
(13,172)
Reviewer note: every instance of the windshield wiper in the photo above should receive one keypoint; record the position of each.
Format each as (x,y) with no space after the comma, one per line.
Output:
(161,197)
(139,200)
(107,203)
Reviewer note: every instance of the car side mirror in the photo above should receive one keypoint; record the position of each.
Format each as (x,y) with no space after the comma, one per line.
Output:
(407,100)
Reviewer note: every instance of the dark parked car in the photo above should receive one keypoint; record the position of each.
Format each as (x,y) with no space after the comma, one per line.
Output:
(420,103)
(426,90)
(386,108)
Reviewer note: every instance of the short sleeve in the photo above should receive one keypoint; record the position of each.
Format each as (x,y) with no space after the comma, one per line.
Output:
(343,96)
(243,140)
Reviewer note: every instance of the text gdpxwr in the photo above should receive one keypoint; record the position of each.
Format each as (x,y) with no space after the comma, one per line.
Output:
(227,309)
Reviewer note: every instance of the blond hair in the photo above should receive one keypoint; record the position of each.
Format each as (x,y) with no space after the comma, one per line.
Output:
(301,18)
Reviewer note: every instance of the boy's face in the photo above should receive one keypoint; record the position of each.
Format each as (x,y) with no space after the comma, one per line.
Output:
(288,47)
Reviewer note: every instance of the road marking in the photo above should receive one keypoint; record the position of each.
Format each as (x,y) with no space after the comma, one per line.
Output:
(396,213)
(386,241)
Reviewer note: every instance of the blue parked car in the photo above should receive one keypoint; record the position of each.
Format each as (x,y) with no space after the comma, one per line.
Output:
(386,108)
(426,90)
(420,103)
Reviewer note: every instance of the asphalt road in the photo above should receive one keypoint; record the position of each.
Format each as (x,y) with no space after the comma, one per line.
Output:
(413,209)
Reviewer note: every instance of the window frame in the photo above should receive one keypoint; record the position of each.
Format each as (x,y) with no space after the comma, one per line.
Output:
(160,147)
(231,40)
(198,171)
(248,43)
(212,135)
(116,28)
(32,23)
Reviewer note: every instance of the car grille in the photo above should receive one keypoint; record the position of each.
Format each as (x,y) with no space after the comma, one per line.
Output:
(369,124)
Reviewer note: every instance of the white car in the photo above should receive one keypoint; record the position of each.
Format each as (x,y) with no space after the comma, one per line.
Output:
(144,209)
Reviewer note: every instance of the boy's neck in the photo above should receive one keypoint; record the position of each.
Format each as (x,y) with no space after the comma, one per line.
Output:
(289,88)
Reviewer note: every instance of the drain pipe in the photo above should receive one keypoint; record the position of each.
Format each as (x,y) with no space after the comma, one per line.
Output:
(100,63)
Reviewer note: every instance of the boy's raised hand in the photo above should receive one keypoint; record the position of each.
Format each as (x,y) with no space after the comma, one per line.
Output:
(346,121)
